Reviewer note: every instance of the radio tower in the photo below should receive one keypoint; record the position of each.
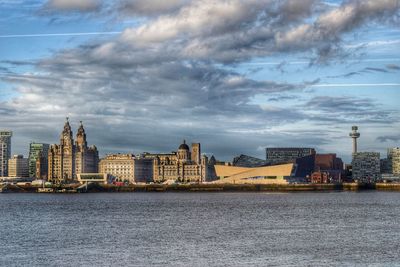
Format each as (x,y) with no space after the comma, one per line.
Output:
(354,134)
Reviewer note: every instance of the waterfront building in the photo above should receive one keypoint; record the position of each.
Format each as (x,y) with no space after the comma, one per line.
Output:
(38,157)
(276,174)
(5,151)
(366,167)
(70,158)
(393,160)
(385,166)
(328,162)
(280,155)
(143,170)
(18,167)
(120,166)
(248,161)
(328,169)
(183,166)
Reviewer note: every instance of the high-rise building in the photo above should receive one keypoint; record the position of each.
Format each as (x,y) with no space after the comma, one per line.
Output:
(5,151)
(120,166)
(393,159)
(69,158)
(366,167)
(38,152)
(18,166)
(281,155)
(303,157)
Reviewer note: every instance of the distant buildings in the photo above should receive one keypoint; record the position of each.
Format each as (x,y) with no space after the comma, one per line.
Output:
(393,157)
(38,160)
(120,166)
(366,167)
(280,155)
(184,166)
(143,170)
(70,158)
(276,174)
(328,169)
(18,167)
(302,157)
(5,151)
(248,161)
(390,166)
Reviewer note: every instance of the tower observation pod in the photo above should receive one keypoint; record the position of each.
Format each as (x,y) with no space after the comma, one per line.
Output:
(354,135)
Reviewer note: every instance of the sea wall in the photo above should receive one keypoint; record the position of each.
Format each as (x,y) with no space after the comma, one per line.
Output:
(203,188)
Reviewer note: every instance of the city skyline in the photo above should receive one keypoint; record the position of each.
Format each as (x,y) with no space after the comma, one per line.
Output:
(236,76)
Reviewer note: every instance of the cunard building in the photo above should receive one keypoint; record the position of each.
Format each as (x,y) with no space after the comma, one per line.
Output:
(70,158)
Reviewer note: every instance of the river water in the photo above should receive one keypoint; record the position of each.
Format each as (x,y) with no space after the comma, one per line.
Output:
(200,229)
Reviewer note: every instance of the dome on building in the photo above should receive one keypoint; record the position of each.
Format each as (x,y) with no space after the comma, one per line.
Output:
(184,146)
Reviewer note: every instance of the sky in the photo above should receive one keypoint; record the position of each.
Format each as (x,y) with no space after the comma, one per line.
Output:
(235,75)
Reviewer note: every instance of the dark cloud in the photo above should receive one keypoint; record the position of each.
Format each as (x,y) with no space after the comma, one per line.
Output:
(360,72)
(393,67)
(149,8)
(72,5)
(349,109)
(386,138)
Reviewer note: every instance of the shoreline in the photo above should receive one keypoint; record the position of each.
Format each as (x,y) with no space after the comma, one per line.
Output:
(95,188)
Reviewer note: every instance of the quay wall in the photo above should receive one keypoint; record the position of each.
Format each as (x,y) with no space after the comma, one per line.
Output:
(206,188)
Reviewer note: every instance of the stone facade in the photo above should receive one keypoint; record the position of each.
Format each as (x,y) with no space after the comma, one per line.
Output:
(69,158)
(182,166)
(120,166)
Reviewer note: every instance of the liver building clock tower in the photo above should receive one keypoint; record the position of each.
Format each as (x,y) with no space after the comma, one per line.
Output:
(68,158)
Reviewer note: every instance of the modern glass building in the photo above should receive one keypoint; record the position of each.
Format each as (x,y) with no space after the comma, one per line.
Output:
(38,151)
(5,151)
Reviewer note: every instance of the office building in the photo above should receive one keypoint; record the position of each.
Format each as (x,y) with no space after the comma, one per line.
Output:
(393,160)
(248,161)
(18,167)
(281,155)
(5,151)
(143,170)
(38,157)
(366,167)
(120,166)
(328,169)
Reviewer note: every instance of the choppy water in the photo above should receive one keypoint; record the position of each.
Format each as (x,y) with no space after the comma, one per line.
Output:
(200,229)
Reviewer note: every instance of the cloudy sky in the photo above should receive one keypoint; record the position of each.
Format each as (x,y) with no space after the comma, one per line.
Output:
(235,75)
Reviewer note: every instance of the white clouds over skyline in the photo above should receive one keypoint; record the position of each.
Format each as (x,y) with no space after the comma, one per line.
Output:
(180,71)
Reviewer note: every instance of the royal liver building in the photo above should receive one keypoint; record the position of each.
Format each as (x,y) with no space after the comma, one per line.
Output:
(70,158)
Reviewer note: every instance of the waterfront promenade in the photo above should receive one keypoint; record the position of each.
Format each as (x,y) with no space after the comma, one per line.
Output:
(92,188)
